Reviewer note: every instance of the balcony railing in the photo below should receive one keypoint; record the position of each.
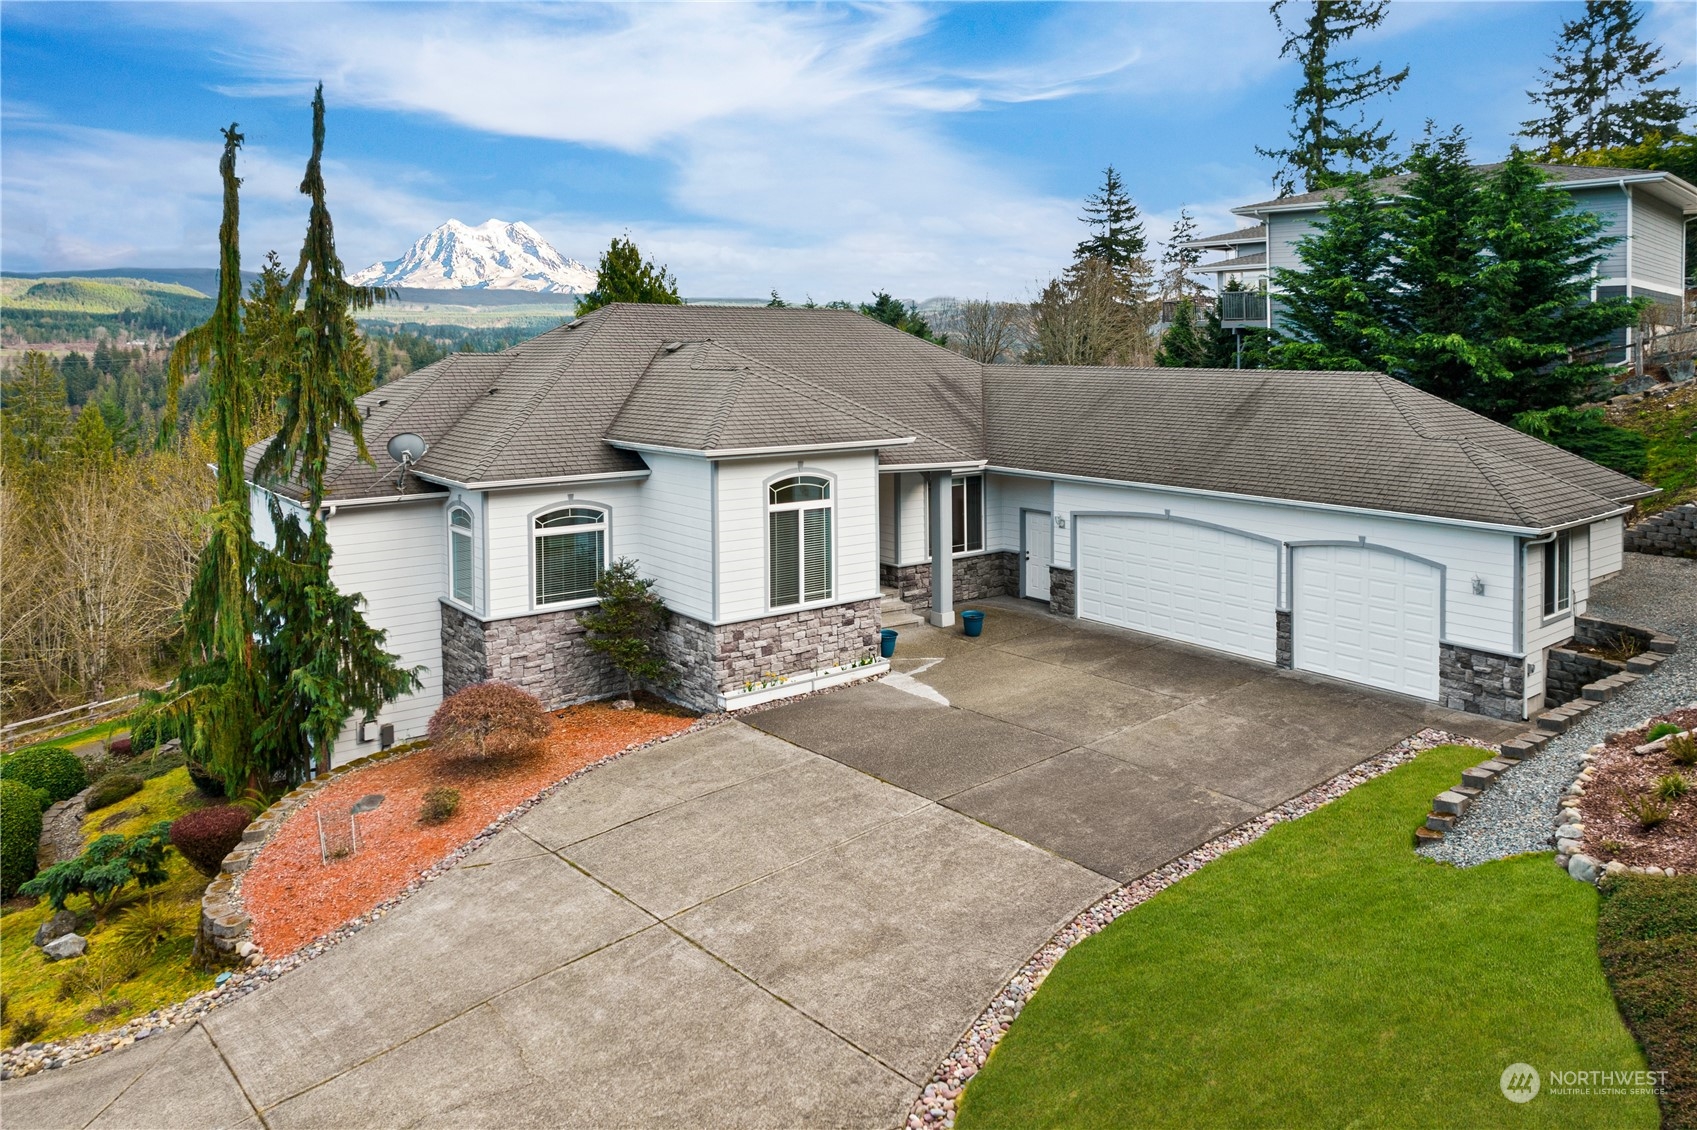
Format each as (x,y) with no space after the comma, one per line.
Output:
(1243,306)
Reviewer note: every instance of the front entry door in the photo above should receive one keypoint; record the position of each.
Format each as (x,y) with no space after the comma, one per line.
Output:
(1039,550)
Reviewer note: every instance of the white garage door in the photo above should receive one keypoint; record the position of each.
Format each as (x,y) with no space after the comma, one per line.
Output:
(1366,616)
(1190,583)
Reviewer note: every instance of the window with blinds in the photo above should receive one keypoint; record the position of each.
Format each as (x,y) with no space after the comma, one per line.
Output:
(799,540)
(459,555)
(571,553)
(969,514)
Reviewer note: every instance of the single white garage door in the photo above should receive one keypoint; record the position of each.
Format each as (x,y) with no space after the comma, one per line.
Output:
(1367,616)
(1190,583)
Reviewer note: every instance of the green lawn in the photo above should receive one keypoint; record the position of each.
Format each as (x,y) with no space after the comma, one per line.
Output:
(1647,934)
(1326,976)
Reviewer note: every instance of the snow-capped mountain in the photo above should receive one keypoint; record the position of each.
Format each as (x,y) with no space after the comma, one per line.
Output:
(492,256)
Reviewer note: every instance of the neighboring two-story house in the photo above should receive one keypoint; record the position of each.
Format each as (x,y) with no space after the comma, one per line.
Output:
(779,471)
(1646,211)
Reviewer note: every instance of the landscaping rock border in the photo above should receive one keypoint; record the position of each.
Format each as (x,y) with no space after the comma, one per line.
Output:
(28,1059)
(938,1100)
(1569,823)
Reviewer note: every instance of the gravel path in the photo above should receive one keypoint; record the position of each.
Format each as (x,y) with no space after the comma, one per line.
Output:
(1517,814)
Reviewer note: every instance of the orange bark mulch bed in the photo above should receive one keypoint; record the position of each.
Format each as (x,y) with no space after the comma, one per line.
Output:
(293,897)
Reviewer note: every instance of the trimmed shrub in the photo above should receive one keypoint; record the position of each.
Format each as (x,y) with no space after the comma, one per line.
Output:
(439,807)
(104,869)
(20,834)
(120,747)
(487,720)
(111,789)
(208,782)
(206,835)
(55,770)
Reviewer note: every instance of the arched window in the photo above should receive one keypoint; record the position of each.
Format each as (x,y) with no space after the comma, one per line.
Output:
(459,554)
(799,540)
(571,552)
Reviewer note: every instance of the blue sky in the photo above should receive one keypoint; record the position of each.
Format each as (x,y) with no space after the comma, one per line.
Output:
(823,149)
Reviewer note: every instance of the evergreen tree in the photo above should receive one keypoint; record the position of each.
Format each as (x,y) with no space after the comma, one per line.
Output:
(903,316)
(90,447)
(776,301)
(1600,90)
(628,625)
(1116,231)
(80,377)
(32,405)
(1336,312)
(321,660)
(1324,150)
(218,685)
(624,276)
(1182,347)
(1178,261)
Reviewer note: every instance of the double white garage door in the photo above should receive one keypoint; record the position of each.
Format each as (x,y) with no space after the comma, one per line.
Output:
(1358,613)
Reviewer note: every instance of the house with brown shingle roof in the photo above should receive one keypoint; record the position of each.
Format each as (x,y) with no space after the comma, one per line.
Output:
(788,477)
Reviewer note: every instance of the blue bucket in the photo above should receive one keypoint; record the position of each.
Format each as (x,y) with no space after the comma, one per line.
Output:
(972,622)
(887,642)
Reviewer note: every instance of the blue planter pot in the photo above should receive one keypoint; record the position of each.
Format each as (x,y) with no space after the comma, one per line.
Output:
(972,622)
(887,642)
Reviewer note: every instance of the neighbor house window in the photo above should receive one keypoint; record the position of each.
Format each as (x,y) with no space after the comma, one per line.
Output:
(459,554)
(798,524)
(1558,574)
(571,552)
(969,514)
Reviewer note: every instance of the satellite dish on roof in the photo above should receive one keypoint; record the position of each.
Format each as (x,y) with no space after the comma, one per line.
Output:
(406,449)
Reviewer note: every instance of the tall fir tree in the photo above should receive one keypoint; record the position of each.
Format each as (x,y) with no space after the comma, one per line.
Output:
(623,275)
(35,415)
(322,662)
(1335,312)
(218,685)
(1324,149)
(1600,90)
(1179,261)
(1116,230)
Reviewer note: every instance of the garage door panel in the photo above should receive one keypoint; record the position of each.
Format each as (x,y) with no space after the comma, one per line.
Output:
(1184,582)
(1368,616)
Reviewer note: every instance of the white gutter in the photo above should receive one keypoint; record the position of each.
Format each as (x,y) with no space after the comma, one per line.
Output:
(543,481)
(746,452)
(1524,531)
(963,465)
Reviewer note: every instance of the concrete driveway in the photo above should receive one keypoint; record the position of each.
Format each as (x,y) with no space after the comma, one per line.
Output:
(1116,750)
(782,926)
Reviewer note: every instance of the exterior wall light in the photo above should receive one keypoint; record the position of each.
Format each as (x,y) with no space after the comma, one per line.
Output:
(1478,586)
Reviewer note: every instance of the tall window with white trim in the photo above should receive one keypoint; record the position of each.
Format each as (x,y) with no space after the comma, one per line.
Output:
(799,540)
(571,552)
(1558,574)
(459,554)
(969,513)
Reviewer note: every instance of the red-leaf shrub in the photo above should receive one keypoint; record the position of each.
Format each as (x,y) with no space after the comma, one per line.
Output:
(489,720)
(206,835)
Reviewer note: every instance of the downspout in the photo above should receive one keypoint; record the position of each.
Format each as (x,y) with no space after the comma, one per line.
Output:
(1520,586)
(1633,345)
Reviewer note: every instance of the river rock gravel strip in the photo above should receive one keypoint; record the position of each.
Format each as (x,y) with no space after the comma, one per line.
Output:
(1517,813)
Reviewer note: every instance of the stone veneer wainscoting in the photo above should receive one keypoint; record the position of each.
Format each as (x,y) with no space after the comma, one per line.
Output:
(1063,591)
(1481,683)
(977,577)
(1285,647)
(545,654)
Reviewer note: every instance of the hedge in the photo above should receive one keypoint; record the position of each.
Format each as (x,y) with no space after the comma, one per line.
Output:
(206,835)
(20,834)
(53,769)
(113,788)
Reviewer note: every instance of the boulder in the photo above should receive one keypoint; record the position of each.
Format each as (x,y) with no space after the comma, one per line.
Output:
(63,922)
(1614,867)
(1583,868)
(71,945)
(1569,847)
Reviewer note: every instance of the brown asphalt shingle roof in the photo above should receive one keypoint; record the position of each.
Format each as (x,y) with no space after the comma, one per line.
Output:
(755,377)
(1345,439)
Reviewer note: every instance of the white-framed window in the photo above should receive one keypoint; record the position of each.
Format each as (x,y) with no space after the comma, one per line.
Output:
(968,513)
(459,554)
(1558,574)
(571,553)
(798,530)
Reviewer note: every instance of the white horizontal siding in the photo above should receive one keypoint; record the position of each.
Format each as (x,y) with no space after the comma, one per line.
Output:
(889,515)
(396,558)
(1004,497)
(1607,538)
(511,513)
(1658,244)
(1483,621)
(912,534)
(1610,204)
(675,538)
(743,589)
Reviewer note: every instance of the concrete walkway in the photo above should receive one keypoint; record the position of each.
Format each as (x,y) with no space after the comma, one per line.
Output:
(787,928)
(723,930)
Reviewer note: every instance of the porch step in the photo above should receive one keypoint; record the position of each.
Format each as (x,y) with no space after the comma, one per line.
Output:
(900,619)
(894,612)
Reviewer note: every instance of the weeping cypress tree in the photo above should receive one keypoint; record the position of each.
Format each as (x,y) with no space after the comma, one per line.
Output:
(322,660)
(219,686)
